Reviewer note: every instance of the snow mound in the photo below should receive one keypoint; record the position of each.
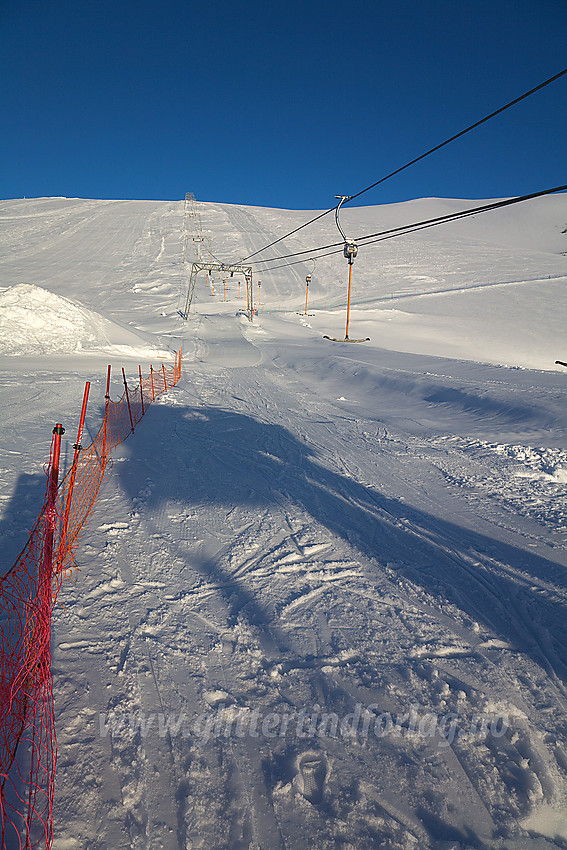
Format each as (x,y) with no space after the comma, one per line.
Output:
(36,321)
(548,463)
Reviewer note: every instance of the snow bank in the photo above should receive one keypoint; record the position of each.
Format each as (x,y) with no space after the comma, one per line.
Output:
(36,321)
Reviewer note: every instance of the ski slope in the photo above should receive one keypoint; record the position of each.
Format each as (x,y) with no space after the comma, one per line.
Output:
(321,602)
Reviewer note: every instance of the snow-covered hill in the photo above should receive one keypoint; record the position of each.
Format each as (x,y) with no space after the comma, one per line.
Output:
(321,602)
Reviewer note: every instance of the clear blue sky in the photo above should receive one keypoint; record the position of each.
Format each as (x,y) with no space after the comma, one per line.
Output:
(280,104)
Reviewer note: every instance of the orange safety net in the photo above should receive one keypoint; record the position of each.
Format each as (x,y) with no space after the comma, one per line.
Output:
(120,419)
(28,593)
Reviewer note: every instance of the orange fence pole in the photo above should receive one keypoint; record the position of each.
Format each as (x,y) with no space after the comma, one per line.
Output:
(152,380)
(128,399)
(141,389)
(77,447)
(164,381)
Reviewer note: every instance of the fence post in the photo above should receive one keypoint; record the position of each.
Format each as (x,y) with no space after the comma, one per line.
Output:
(51,509)
(106,401)
(128,400)
(63,542)
(152,380)
(164,381)
(141,389)
(179,364)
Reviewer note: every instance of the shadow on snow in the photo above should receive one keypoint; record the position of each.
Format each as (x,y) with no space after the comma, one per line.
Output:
(218,458)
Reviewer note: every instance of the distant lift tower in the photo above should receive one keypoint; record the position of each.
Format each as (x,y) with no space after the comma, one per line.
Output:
(193,227)
(204,257)
(200,266)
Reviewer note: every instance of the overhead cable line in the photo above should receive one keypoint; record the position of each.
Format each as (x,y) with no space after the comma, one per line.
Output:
(464,213)
(462,133)
(297,229)
(418,225)
(297,254)
(412,162)
(406,229)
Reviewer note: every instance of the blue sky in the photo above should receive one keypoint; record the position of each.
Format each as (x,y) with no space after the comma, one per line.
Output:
(280,104)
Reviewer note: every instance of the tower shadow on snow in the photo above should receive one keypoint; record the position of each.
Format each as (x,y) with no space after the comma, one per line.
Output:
(209,455)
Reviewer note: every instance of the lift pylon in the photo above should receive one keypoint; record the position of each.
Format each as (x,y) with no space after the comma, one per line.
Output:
(199,266)
(193,229)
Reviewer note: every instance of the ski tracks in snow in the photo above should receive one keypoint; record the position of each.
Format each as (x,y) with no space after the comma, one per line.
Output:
(276,560)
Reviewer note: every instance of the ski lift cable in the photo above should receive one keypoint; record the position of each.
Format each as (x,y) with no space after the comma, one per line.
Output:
(404,230)
(464,213)
(296,254)
(462,133)
(420,224)
(412,162)
(281,238)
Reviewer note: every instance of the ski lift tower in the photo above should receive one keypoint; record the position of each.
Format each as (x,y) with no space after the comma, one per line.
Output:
(193,227)
(200,266)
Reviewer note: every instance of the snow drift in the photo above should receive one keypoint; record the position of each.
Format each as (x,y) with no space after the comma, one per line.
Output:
(34,320)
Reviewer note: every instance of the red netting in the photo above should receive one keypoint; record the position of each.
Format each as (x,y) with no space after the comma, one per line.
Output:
(28,592)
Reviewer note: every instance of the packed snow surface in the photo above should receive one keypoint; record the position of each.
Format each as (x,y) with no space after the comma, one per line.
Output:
(321,602)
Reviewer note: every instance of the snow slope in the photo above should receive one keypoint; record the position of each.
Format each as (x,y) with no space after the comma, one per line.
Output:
(321,602)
